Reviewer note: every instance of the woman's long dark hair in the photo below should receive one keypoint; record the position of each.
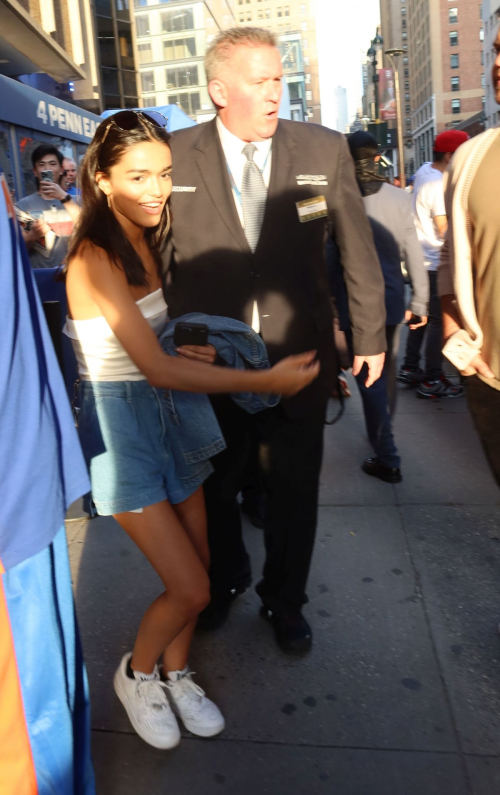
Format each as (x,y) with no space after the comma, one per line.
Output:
(97,222)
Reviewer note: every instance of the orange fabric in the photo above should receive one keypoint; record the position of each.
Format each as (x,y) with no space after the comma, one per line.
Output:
(17,771)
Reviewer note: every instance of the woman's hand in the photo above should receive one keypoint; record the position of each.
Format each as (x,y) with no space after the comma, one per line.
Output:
(198,353)
(293,374)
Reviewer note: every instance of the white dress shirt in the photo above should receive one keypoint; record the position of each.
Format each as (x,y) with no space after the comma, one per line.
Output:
(232,147)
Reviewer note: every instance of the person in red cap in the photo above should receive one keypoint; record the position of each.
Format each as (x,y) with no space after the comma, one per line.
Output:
(431,223)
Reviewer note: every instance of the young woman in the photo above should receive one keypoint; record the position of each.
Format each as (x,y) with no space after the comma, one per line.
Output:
(116,312)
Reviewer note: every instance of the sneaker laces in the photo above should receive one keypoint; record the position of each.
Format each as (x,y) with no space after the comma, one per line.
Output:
(153,692)
(184,686)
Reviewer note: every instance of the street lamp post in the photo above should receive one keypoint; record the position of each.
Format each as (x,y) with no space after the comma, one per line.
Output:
(372,53)
(392,54)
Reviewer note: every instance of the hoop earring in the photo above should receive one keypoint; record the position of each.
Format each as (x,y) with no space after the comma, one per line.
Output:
(109,202)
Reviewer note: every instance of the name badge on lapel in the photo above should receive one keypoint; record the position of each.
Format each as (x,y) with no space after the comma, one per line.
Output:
(310,209)
(311,179)
(182,189)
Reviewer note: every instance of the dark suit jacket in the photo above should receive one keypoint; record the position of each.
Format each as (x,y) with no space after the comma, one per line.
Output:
(212,269)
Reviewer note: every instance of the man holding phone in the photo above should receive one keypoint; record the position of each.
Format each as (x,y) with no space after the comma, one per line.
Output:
(47,216)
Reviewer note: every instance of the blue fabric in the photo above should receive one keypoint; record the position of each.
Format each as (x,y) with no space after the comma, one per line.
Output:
(49,659)
(51,290)
(237,345)
(390,262)
(137,451)
(42,470)
(377,413)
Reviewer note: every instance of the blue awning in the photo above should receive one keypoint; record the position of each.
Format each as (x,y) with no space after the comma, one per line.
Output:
(28,107)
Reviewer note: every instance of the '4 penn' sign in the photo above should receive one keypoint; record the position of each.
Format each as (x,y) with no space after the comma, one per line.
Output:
(65,119)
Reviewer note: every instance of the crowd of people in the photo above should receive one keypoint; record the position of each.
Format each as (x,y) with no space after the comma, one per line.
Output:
(195,266)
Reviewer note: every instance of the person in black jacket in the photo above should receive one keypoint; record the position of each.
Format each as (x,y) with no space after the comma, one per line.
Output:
(254,199)
(390,216)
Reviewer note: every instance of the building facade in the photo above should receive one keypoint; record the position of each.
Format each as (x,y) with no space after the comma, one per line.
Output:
(445,49)
(116,60)
(341,113)
(394,31)
(292,58)
(171,44)
(491,20)
(51,46)
(76,50)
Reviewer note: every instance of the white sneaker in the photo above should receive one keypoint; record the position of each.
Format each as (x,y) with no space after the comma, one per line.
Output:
(147,707)
(198,714)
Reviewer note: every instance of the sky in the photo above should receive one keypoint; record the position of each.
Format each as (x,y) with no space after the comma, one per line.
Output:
(344,30)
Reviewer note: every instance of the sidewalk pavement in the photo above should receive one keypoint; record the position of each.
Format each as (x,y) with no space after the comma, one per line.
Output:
(401,693)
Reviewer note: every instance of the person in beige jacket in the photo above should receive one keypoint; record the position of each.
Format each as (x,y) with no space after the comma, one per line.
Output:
(469,277)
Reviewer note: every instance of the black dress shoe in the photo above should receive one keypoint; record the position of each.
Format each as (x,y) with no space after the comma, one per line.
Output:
(217,612)
(255,509)
(372,466)
(293,633)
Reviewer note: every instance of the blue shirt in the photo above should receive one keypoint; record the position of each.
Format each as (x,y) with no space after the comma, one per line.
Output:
(42,470)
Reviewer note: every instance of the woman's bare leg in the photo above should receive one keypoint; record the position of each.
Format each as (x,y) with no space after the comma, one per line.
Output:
(192,515)
(160,535)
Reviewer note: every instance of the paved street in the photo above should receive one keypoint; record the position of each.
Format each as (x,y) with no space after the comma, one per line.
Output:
(401,694)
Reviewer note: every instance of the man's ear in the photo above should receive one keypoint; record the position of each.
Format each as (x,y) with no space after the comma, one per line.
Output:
(218,93)
(377,158)
(448,157)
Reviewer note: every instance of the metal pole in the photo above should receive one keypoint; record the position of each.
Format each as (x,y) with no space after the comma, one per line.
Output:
(401,164)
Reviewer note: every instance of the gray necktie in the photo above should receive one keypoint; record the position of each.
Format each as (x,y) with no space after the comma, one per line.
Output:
(253,197)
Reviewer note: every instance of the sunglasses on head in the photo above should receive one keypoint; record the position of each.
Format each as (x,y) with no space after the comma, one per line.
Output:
(130,119)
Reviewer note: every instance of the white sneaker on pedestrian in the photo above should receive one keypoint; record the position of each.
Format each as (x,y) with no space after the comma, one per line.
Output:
(198,714)
(147,707)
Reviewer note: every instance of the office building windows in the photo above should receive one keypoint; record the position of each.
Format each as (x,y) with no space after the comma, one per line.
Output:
(175,49)
(182,76)
(180,19)
(142,25)
(189,103)
(454,61)
(148,81)
(145,52)
(453,15)
(455,106)
(453,38)
(455,84)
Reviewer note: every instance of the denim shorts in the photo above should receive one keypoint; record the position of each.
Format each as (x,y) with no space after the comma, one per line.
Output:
(132,461)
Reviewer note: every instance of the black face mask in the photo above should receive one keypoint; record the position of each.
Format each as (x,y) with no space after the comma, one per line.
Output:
(368,175)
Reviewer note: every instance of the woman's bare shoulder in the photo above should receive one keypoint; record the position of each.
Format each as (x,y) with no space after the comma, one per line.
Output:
(95,264)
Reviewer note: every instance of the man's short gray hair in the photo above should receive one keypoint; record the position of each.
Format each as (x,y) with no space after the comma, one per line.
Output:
(221,48)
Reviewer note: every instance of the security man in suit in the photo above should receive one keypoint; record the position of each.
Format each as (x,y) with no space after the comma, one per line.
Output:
(253,201)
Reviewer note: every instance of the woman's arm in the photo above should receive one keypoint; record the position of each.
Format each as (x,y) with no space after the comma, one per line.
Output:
(107,287)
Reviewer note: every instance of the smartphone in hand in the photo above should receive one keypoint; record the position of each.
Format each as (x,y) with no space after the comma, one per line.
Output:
(414,320)
(190,334)
(47,176)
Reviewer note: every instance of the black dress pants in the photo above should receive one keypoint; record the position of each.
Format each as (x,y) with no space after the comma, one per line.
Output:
(484,405)
(290,454)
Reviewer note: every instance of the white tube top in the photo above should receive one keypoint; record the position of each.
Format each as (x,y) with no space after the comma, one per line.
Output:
(99,353)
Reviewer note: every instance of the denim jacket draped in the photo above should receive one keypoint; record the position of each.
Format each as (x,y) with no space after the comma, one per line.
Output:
(193,425)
